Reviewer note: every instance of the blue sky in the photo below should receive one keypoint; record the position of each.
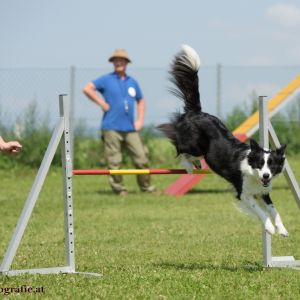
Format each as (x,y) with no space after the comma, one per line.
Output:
(60,33)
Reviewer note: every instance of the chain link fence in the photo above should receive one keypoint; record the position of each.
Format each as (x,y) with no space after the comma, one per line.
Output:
(221,88)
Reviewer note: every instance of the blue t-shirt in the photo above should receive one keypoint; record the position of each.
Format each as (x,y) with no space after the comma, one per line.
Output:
(121,96)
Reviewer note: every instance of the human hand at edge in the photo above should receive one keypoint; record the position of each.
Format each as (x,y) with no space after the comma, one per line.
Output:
(11,147)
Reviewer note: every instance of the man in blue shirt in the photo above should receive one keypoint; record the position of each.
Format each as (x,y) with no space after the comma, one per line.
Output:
(117,94)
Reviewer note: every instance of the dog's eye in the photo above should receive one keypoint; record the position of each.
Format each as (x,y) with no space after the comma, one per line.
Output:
(270,160)
(262,162)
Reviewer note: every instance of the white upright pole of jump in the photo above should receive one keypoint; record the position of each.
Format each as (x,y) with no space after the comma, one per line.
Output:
(67,172)
(265,130)
(264,142)
(67,181)
(61,133)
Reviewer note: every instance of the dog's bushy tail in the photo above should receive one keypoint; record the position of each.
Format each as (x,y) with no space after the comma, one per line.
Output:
(184,75)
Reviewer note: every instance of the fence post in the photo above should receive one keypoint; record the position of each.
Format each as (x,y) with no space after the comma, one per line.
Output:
(219,104)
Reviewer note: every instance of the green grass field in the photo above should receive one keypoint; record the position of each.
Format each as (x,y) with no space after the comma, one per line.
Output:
(148,246)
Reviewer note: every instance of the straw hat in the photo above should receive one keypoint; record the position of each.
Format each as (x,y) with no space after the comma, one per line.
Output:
(119,53)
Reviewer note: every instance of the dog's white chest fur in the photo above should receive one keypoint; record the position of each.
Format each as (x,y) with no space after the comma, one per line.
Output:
(252,186)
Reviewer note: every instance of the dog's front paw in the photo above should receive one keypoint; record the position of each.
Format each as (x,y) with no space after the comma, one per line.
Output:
(280,229)
(269,227)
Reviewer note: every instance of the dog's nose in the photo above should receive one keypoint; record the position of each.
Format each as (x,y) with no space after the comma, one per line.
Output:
(266,175)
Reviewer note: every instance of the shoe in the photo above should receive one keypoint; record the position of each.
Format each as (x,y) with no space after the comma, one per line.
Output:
(150,189)
(123,193)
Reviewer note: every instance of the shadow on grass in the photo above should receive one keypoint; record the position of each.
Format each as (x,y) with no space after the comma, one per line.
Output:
(211,191)
(136,192)
(246,266)
(228,190)
(193,191)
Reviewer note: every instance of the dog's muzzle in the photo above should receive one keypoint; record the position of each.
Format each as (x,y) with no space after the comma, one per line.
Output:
(266,180)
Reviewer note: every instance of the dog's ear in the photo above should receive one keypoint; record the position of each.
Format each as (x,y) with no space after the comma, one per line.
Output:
(254,145)
(281,149)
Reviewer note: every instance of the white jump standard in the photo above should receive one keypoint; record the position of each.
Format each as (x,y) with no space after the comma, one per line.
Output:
(62,133)
(266,130)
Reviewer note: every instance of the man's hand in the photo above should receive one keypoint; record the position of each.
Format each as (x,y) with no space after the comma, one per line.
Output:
(105,106)
(138,125)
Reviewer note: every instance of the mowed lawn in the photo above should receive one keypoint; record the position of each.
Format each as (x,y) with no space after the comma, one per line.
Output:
(148,246)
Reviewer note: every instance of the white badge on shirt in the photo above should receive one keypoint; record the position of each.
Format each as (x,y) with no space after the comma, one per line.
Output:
(132,92)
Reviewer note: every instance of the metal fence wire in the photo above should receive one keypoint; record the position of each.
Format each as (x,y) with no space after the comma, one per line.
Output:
(221,87)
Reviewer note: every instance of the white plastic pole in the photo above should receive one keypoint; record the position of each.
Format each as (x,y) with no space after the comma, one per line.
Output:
(64,109)
(264,142)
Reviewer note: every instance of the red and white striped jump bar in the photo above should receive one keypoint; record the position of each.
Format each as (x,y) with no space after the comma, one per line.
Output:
(139,171)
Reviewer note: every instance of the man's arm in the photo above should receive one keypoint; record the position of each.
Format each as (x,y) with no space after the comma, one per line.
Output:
(91,92)
(140,115)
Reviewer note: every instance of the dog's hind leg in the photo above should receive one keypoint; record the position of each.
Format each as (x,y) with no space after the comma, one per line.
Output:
(280,229)
(259,212)
(186,163)
(190,162)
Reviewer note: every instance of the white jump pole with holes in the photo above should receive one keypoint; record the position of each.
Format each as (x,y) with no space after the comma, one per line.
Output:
(266,129)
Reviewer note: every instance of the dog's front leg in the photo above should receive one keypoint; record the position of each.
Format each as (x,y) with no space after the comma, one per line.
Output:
(280,229)
(259,212)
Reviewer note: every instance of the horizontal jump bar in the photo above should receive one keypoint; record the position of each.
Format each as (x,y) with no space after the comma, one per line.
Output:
(139,171)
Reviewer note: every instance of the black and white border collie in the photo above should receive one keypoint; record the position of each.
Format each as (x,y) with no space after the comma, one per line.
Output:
(196,134)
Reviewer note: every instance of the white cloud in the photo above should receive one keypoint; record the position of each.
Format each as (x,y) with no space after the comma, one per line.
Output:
(285,15)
